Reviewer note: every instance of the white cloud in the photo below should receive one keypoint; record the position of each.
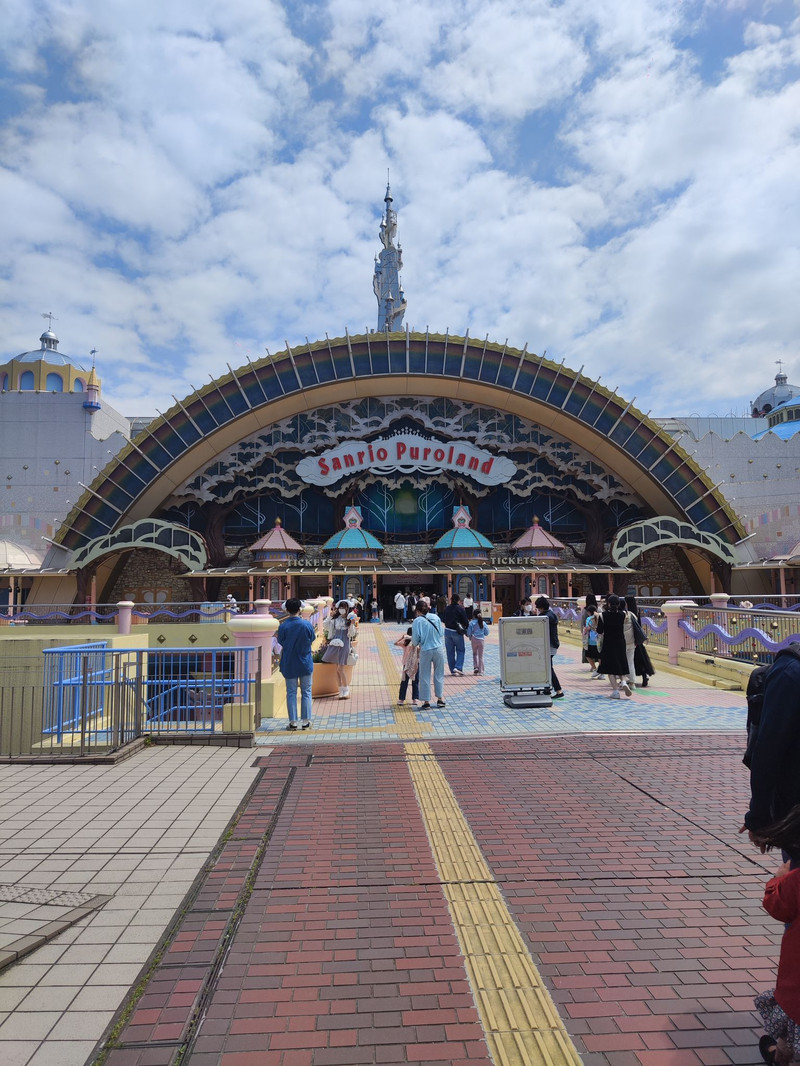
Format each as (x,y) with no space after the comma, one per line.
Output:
(190,182)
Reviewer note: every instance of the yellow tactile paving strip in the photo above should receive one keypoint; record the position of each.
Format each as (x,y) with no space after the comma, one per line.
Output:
(521,1022)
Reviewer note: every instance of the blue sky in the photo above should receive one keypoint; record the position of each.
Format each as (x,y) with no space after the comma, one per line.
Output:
(187,184)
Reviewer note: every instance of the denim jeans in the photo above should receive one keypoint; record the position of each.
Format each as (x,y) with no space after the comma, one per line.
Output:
(435,658)
(404,687)
(454,643)
(305,697)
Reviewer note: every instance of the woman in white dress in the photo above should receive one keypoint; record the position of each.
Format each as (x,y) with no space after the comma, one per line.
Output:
(341,630)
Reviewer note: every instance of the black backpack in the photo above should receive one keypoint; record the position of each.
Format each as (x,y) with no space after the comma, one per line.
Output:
(755,704)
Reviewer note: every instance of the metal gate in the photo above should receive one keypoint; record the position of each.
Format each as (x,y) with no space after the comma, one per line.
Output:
(94,698)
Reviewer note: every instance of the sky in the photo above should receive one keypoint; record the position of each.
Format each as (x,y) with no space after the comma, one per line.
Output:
(185,185)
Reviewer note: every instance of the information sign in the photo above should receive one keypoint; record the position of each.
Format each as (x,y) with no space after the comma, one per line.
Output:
(525,660)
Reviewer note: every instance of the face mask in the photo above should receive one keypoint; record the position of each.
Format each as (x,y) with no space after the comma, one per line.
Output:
(342,610)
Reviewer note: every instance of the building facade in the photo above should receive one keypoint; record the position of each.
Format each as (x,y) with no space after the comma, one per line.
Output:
(405,430)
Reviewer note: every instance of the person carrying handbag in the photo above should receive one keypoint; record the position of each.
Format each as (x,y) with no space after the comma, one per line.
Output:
(427,633)
(341,629)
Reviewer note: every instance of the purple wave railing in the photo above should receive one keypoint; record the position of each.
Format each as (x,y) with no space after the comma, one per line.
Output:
(163,612)
(655,627)
(771,607)
(44,616)
(739,638)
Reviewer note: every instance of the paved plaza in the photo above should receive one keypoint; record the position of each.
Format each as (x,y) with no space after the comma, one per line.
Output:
(465,885)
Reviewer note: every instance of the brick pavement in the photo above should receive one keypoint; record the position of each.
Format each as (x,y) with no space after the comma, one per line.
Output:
(335,925)
(618,859)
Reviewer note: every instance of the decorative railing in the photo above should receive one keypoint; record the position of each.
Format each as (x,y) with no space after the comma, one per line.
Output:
(753,636)
(99,698)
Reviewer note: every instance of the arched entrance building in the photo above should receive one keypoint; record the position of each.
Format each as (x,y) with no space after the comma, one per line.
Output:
(406,426)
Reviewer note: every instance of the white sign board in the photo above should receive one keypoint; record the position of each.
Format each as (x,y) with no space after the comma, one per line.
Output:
(404,453)
(525,652)
(485,607)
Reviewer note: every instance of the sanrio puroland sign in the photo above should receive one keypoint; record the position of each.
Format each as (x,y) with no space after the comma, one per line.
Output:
(405,453)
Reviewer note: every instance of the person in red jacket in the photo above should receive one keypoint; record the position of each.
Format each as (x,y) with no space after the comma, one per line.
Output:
(780,1007)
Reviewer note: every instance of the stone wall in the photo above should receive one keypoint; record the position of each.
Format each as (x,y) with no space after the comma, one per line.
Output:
(152,576)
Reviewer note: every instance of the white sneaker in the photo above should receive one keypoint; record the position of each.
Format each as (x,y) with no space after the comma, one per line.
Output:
(626,688)
(615,695)
(594,676)
(600,677)
(345,694)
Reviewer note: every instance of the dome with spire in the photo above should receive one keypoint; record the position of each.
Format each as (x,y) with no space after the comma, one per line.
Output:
(45,369)
(353,544)
(276,547)
(537,543)
(48,351)
(774,396)
(462,544)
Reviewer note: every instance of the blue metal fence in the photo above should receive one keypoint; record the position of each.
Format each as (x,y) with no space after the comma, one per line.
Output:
(100,697)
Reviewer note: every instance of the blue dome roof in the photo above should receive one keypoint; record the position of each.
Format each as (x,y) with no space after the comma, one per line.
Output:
(463,538)
(350,539)
(49,355)
(783,430)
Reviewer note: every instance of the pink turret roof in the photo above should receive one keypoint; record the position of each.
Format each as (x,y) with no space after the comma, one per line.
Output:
(276,540)
(536,537)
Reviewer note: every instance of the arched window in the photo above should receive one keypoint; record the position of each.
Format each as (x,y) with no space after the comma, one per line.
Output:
(4,383)
(464,587)
(26,381)
(275,589)
(54,383)
(78,385)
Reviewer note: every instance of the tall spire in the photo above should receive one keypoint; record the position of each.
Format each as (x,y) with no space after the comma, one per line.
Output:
(388,264)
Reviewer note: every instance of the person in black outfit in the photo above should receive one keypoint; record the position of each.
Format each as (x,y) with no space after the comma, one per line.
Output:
(775,763)
(641,660)
(455,626)
(613,654)
(543,607)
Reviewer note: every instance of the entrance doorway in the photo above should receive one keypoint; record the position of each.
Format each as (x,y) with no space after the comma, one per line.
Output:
(389,584)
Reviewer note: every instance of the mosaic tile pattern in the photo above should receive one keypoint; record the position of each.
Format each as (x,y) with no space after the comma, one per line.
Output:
(475,705)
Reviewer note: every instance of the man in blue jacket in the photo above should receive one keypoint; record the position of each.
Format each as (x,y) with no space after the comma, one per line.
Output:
(295,636)
(775,765)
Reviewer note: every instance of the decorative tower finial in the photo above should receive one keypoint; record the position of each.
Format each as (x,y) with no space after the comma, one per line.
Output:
(92,401)
(386,282)
(48,338)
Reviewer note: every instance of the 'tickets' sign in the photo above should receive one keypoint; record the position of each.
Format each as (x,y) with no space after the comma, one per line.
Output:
(405,453)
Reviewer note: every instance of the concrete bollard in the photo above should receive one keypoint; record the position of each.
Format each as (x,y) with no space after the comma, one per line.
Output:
(124,617)
(674,611)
